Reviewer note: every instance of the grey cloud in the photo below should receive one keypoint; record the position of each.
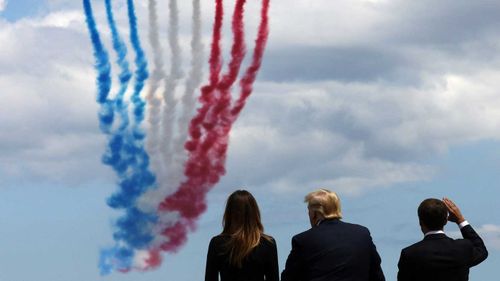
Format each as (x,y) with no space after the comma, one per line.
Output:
(446,24)
(347,64)
(358,116)
(402,43)
(356,136)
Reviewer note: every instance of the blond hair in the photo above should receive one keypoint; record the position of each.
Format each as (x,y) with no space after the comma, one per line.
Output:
(325,202)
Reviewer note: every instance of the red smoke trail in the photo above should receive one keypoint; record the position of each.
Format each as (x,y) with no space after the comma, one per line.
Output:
(246,82)
(207,152)
(206,99)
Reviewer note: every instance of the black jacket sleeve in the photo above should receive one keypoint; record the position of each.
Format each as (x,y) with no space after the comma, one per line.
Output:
(294,264)
(404,272)
(212,270)
(271,270)
(479,252)
(376,273)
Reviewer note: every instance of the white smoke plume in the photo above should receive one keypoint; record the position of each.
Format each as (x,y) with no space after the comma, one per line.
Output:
(188,101)
(154,102)
(163,141)
(167,185)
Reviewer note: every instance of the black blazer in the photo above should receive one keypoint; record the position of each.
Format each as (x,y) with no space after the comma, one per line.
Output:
(260,265)
(440,258)
(333,251)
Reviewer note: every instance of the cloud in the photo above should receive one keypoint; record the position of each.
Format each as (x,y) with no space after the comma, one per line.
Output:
(354,106)
(354,63)
(358,136)
(491,235)
(3,4)
(49,131)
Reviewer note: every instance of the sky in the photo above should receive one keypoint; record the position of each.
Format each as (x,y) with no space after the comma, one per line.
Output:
(386,102)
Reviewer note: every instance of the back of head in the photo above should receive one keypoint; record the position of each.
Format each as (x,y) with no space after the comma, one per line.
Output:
(241,222)
(433,214)
(324,202)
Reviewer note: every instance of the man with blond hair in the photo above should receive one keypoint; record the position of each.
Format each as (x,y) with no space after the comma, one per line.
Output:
(331,250)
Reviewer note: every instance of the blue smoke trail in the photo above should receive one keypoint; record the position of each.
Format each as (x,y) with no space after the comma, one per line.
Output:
(125,152)
(141,72)
(125,74)
(133,163)
(103,68)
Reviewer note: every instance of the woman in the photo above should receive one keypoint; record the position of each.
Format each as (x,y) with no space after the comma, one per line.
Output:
(242,252)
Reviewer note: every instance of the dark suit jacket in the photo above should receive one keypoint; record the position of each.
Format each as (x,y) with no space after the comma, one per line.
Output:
(440,258)
(261,263)
(333,251)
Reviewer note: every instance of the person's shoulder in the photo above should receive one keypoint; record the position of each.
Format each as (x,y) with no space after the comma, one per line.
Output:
(219,239)
(355,226)
(304,233)
(414,248)
(267,239)
(466,243)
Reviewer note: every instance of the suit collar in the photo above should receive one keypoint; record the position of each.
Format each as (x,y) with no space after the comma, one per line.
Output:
(434,232)
(328,221)
(435,236)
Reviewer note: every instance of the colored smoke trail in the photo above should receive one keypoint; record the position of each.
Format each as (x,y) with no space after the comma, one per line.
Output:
(141,73)
(170,102)
(125,150)
(188,101)
(250,75)
(149,201)
(159,209)
(161,138)
(237,56)
(178,155)
(206,160)
(175,235)
(103,68)
(121,51)
(113,152)
(132,162)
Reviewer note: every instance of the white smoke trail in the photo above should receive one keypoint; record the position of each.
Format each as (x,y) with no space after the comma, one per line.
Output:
(147,202)
(170,103)
(162,136)
(188,101)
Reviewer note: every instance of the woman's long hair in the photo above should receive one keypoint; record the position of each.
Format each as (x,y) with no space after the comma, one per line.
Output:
(241,222)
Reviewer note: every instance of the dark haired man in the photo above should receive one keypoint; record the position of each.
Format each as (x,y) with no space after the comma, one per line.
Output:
(438,257)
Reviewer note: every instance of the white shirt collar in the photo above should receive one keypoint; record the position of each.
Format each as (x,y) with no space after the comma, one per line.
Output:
(434,232)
